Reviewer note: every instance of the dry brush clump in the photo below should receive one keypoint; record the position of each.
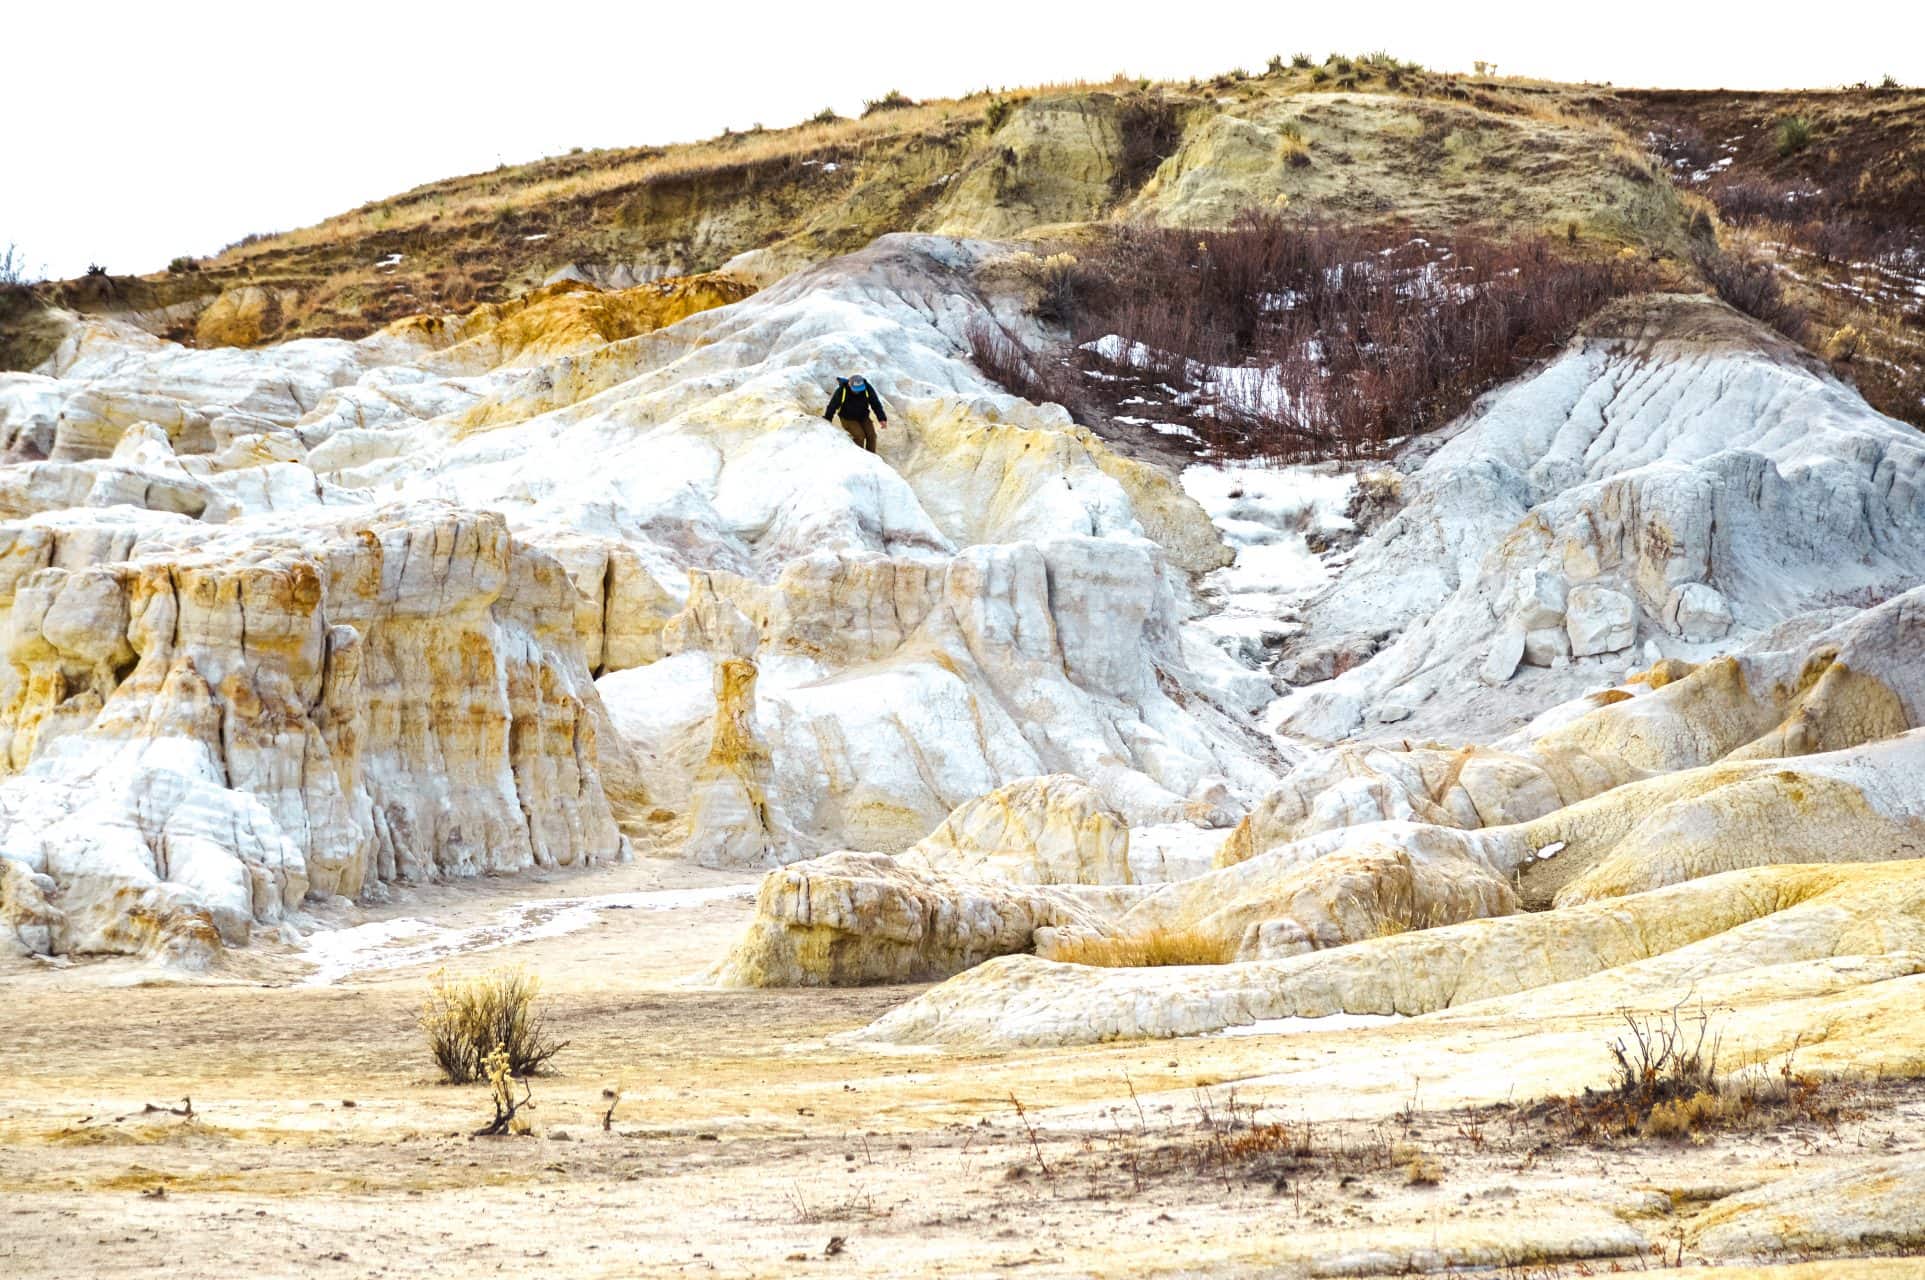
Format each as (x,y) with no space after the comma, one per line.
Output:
(1225,1139)
(1665,1084)
(1821,234)
(1309,339)
(1753,286)
(469,1021)
(894,100)
(1809,219)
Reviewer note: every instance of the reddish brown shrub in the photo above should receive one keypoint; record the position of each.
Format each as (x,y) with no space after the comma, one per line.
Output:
(1308,339)
(1752,286)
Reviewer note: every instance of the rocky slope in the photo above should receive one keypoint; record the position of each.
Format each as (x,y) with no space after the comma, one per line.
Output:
(1617,592)
(1678,482)
(1643,610)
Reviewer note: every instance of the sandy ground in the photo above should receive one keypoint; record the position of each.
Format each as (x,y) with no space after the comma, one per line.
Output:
(748,1141)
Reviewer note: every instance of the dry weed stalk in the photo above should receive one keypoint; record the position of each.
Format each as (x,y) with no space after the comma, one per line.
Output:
(501,1090)
(1034,1145)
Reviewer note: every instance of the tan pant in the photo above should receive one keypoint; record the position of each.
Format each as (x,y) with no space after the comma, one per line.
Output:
(861,430)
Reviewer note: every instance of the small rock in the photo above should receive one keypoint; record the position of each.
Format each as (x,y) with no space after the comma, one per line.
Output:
(1542,600)
(1696,612)
(1546,646)
(1506,652)
(1600,620)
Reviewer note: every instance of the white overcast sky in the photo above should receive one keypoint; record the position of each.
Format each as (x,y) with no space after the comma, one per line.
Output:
(138,131)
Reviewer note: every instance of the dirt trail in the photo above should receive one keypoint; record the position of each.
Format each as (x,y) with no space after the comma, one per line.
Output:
(746,1140)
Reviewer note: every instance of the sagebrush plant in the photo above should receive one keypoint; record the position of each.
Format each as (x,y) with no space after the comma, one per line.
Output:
(1794,135)
(1664,1058)
(1292,146)
(894,100)
(466,1020)
(1665,1083)
(501,1091)
(13,266)
(1843,343)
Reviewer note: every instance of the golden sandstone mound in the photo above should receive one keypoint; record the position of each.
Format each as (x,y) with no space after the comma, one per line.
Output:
(982,884)
(1049,830)
(1687,888)
(1807,942)
(1680,773)
(569,315)
(853,918)
(244,316)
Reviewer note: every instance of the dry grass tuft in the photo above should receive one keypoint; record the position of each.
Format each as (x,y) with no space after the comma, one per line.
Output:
(1155,947)
(1421,1170)
(468,1021)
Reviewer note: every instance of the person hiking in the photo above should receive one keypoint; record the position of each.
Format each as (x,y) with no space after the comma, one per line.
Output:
(854,400)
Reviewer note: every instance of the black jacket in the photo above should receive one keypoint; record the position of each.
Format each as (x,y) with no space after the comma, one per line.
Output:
(850,403)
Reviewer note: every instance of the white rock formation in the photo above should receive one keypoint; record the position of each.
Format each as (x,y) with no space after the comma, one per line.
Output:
(1599,620)
(1678,476)
(338,671)
(264,643)
(218,722)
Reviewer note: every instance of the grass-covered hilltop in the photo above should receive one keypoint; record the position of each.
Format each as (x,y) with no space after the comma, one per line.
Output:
(1824,185)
